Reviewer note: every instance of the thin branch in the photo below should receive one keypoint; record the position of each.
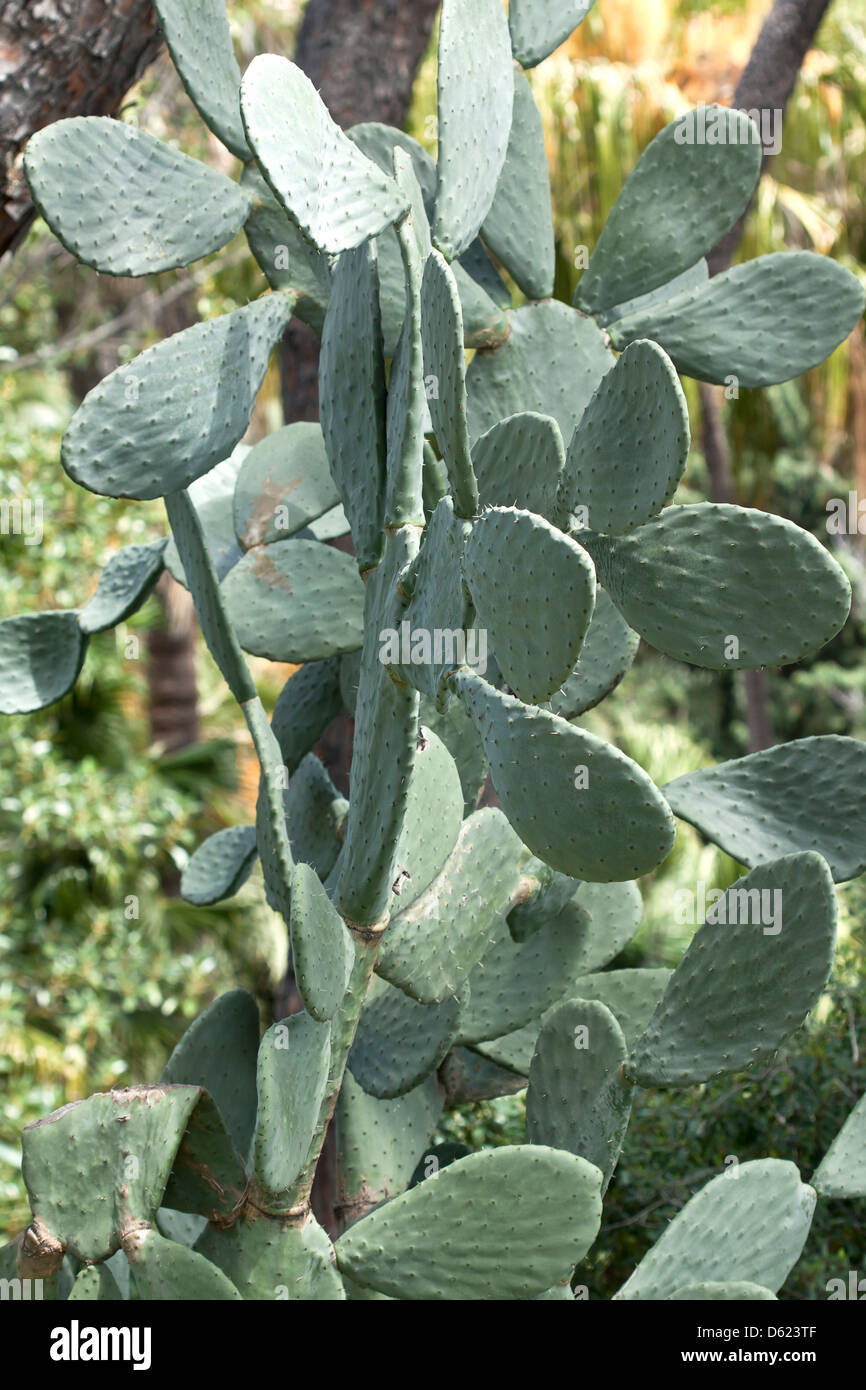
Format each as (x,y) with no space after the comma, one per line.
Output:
(154,302)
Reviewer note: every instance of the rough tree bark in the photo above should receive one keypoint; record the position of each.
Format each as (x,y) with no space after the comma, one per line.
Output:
(62,58)
(767,81)
(765,84)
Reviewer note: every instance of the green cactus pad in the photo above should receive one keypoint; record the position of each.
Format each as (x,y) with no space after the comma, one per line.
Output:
(358,1293)
(378,142)
(476,264)
(742,1292)
(181,1226)
(407,415)
(534,591)
(748,1224)
(295,601)
(157,208)
(322,951)
(544,895)
(481,290)
(615,911)
(485,322)
(629,452)
(400,1042)
(742,987)
(439,604)
(456,730)
(386,716)
(432,820)
(352,399)
(608,650)
(97,1167)
(429,949)
(170,414)
(293,1063)
(577,1099)
(200,43)
(201,576)
(314,812)
(124,585)
(576,801)
(540,26)
(41,655)
(807,794)
(9,1259)
(272,831)
(287,257)
(95,1284)
(842,1170)
(519,463)
(445,373)
(696,274)
(208,1178)
(379,1141)
(552,364)
(268,1260)
(514,982)
(680,199)
(283,485)
(166,1271)
(220,866)
(212,497)
(307,703)
(334,192)
(503,1224)
(606,916)
(468,1077)
(630,995)
(746,325)
(219,1053)
(475,97)
(722,586)
(392,289)
(519,226)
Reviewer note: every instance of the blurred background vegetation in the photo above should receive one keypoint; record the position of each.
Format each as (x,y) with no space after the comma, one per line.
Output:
(101,964)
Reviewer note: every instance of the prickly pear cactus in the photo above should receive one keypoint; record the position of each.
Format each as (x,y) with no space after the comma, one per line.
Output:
(515,537)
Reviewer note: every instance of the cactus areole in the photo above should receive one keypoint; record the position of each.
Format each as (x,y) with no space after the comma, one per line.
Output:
(514,525)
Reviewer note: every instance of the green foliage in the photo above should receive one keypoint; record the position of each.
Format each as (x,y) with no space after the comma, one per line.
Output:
(101,969)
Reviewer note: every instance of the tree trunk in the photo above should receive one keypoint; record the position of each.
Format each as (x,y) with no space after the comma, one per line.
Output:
(765,84)
(171,670)
(767,81)
(62,58)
